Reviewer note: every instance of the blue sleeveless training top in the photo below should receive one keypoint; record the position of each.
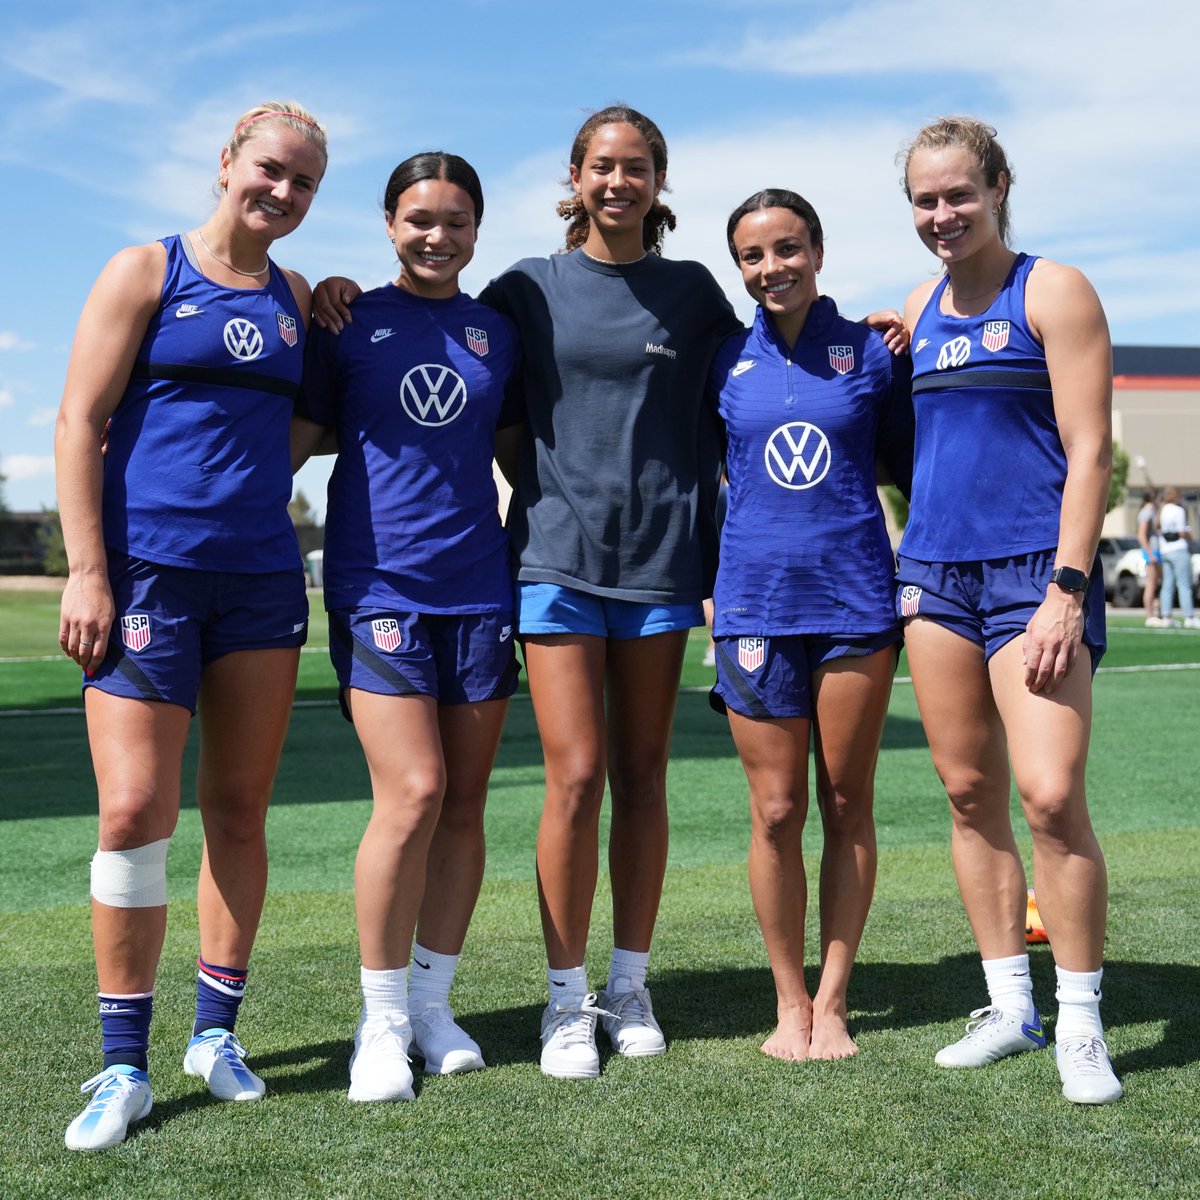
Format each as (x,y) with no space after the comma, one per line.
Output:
(198,470)
(989,463)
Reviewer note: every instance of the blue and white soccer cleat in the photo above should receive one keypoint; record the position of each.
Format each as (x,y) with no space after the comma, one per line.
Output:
(121,1096)
(216,1056)
(992,1034)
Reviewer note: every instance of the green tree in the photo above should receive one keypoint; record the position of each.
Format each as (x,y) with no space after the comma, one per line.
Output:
(50,538)
(1120,477)
(301,511)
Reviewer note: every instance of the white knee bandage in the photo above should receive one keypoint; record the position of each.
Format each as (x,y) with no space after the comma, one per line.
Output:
(131,878)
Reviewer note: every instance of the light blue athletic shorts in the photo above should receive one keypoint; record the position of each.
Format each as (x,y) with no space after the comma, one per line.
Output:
(546,608)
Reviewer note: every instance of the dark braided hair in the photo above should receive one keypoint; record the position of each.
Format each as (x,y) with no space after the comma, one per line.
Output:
(660,219)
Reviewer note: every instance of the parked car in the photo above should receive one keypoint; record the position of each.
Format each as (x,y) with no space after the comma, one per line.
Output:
(1130,576)
(1111,550)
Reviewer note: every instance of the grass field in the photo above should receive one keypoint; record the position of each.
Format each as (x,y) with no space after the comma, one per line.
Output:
(712,1118)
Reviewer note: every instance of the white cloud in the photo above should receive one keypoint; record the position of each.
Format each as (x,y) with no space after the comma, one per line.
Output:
(13,341)
(27,466)
(41,417)
(7,399)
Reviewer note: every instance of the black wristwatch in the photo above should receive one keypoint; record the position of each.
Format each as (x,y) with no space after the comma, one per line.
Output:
(1069,579)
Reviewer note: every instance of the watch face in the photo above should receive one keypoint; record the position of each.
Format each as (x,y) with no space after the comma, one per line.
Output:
(1069,579)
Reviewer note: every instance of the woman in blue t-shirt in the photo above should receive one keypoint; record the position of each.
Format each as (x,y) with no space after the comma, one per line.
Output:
(419,594)
(805,631)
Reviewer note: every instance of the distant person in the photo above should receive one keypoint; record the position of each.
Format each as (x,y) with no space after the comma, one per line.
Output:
(806,632)
(1001,590)
(186,587)
(1147,536)
(419,594)
(1174,546)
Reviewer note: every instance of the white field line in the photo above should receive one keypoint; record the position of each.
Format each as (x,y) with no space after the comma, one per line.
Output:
(77,710)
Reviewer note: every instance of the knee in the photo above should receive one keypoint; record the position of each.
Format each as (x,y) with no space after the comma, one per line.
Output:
(974,797)
(574,791)
(234,816)
(778,818)
(133,818)
(462,816)
(1056,814)
(846,812)
(638,786)
(410,805)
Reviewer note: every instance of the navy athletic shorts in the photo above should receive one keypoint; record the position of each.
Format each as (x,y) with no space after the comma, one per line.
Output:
(458,658)
(173,621)
(771,677)
(990,602)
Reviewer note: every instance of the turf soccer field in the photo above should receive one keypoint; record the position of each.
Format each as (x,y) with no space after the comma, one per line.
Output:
(714,1117)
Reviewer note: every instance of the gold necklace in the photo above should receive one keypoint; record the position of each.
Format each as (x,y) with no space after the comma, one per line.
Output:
(612,262)
(248,274)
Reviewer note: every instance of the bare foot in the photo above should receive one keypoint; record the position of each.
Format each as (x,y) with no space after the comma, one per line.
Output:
(791,1037)
(831,1037)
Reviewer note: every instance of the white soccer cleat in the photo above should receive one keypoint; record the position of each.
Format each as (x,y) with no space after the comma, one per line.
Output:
(992,1035)
(1086,1072)
(631,1025)
(569,1039)
(446,1047)
(217,1056)
(121,1096)
(379,1066)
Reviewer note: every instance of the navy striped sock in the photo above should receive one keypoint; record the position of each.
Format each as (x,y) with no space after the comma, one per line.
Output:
(219,992)
(125,1029)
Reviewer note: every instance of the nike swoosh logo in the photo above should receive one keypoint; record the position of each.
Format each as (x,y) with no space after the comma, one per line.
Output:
(557,984)
(1034,1032)
(380,334)
(188,310)
(423,966)
(742,368)
(921,345)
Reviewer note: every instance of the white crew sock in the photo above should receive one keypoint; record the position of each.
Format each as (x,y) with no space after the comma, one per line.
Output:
(568,986)
(627,971)
(431,976)
(1078,1004)
(384,991)
(1010,985)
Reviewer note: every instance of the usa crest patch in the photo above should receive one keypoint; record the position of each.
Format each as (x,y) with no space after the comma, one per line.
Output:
(841,358)
(910,600)
(135,632)
(995,335)
(751,652)
(386,632)
(287,327)
(477,340)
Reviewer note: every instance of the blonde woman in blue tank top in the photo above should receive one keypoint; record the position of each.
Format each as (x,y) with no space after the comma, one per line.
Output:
(186,589)
(1000,587)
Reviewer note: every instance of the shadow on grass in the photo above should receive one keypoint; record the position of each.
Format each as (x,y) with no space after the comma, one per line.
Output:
(739,1003)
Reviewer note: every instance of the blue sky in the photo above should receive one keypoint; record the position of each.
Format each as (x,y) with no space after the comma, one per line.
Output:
(112,116)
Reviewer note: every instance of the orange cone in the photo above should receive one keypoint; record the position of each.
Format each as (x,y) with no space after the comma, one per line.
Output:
(1035,931)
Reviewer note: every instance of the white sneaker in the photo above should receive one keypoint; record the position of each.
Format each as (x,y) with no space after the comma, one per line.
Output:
(379,1066)
(992,1035)
(1158,622)
(630,1024)
(1191,623)
(216,1056)
(446,1047)
(1086,1072)
(122,1096)
(569,1039)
